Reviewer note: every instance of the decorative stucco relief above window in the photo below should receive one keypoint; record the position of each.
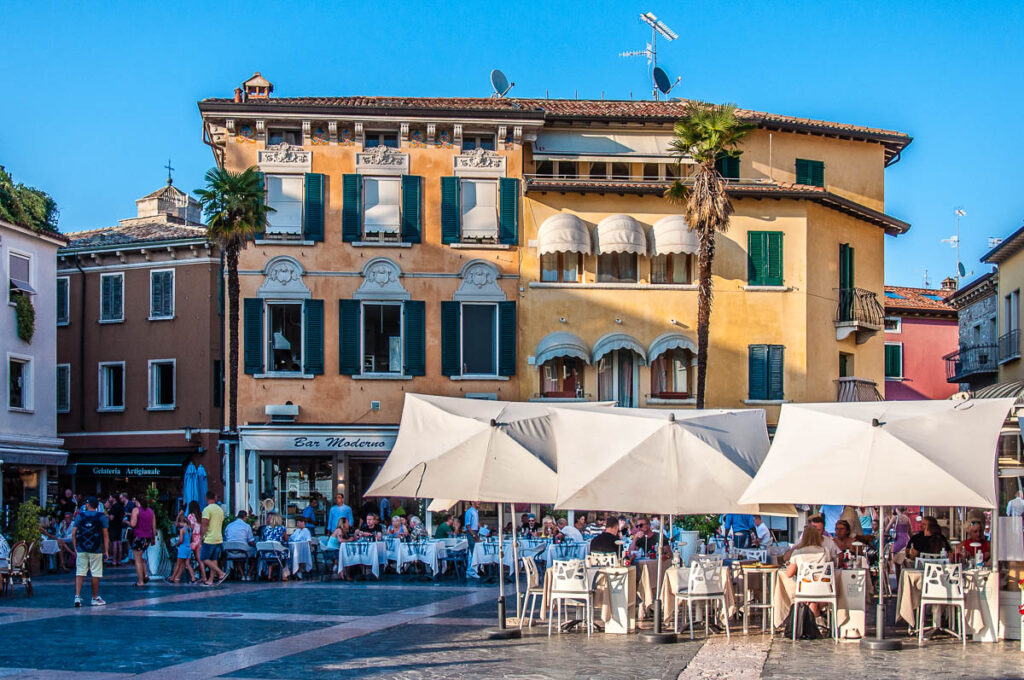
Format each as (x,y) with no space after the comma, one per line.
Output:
(285,158)
(479,163)
(382,160)
(381,281)
(283,280)
(479,283)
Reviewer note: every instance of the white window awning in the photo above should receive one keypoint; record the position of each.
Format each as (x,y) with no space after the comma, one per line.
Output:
(613,341)
(667,341)
(672,235)
(561,344)
(381,198)
(620,234)
(479,208)
(563,233)
(596,146)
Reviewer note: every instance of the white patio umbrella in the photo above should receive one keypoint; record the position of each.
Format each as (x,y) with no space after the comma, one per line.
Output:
(660,461)
(476,450)
(883,453)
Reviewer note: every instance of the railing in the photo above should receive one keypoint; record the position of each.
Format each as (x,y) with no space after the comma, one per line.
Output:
(583,180)
(857,305)
(1009,345)
(971,360)
(857,389)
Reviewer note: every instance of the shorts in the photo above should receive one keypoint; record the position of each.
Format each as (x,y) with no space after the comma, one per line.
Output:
(89,564)
(140,544)
(210,551)
(184,551)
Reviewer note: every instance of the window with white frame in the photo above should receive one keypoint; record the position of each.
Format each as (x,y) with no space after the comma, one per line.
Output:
(284,337)
(19,275)
(284,195)
(161,384)
(63,301)
(277,136)
(479,208)
(479,339)
(373,139)
(19,383)
(382,337)
(111,297)
(111,386)
(161,294)
(382,214)
(893,324)
(477,141)
(63,388)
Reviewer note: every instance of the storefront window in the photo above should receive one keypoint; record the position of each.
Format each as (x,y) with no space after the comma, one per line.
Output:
(671,375)
(382,337)
(562,378)
(285,337)
(293,481)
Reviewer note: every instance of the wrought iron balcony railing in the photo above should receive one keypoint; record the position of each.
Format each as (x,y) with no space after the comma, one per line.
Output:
(971,360)
(1009,346)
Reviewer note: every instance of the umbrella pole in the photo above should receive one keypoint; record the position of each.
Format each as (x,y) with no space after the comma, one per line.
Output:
(502,632)
(515,560)
(880,642)
(659,637)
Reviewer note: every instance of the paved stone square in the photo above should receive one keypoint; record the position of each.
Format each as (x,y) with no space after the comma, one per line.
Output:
(396,629)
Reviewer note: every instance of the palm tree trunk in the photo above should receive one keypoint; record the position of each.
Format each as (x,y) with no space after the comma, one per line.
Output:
(234,291)
(705,257)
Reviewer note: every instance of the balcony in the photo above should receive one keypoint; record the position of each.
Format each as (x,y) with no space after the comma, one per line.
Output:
(858,312)
(1009,346)
(857,389)
(969,361)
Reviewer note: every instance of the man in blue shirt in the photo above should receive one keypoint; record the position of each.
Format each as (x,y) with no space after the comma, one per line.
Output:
(309,512)
(339,510)
(91,541)
(472,523)
(741,526)
(832,513)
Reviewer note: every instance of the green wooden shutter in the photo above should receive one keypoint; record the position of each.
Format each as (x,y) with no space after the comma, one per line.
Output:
(313,334)
(757,372)
(253,325)
(728,166)
(846,280)
(451,214)
(507,338)
(508,216)
(776,371)
(313,217)
(105,300)
(773,258)
(451,349)
(893,361)
(415,338)
(757,244)
(349,312)
(263,192)
(803,173)
(817,173)
(351,208)
(412,211)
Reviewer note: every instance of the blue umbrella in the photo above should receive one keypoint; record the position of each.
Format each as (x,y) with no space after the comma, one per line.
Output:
(201,485)
(189,487)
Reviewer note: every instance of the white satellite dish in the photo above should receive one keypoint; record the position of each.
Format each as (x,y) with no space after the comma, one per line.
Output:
(500,84)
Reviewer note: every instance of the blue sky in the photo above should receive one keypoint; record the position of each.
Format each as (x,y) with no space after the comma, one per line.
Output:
(97,96)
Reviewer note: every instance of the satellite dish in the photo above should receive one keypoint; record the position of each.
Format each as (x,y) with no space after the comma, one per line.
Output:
(960,267)
(661,80)
(500,83)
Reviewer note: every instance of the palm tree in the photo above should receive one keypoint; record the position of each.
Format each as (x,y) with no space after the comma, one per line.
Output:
(705,133)
(235,212)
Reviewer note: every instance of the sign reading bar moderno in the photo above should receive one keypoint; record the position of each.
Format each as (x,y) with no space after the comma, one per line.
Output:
(307,442)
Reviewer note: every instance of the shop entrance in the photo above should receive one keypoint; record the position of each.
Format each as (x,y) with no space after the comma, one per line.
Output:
(361,473)
(292,482)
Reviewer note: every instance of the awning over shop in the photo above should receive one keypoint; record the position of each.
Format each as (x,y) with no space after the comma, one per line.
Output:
(563,233)
(561,344)
(620,234)
(1003,390)
(130,465)
(672,235)
(667,341)
(19,456)
(613,341)
(591,146)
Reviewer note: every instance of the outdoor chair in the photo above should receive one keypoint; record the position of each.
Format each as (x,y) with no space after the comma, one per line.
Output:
(17,567)
(603,560)
(754,554)
(325,557)
(570,551)
(943,586)
(236,552)
(534,589)
(456,556)
(927,558)
(269,554)
(817,583)
(704,584)
(570,585)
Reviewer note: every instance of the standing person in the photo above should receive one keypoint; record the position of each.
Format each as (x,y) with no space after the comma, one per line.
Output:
(184,552)
(213,538)
(385,511)
(832,514)
(741,527)
(88,538)
(143,535)
(339,510)
(1015,508)
(866,516)
(195,528)
(472,524)
(67,504)
(116,517)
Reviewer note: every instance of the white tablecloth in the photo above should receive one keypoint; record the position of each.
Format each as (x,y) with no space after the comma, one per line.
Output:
(428,553)
(48,546)
(368,553)
(302,556)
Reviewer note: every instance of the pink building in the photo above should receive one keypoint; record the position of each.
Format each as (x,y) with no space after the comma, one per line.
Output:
(920,329)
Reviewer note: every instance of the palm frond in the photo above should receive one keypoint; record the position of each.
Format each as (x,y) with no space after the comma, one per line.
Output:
(234,206)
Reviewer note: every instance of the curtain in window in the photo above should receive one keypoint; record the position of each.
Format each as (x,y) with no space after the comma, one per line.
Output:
(381,200)
(284,195)
(479,208)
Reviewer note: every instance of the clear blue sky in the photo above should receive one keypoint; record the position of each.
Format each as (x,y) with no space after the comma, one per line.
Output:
(94,97)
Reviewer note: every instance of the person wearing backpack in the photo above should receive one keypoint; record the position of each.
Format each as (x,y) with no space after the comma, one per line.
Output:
(91,540)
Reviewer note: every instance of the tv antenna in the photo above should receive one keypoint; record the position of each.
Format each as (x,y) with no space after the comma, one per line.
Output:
(927,283)
(993,241)
(954,242)
(500,84)
(662,85)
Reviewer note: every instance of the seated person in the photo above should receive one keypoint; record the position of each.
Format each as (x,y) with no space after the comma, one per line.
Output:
(761,535)
(397,528)
(370,528)
(975,535)
(239,531)
(301,533)
(457,530)
(417,531)
(646,539)
(928,540)
(529,528)
(341,534)
(444,529)
(826,541)
(810,550)
(274,530)
(572,533)
(605,542)
(66,555)
(844,537)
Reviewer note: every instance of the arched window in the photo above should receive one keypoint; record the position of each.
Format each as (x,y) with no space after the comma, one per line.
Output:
(673,373)
(562,378)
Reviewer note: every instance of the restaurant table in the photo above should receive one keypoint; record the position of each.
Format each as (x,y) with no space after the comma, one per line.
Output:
(48,546)
(647,574)
(977,612)
(301,555)
(758,589)
(428,553)
(366,553)
(614,597)
(486,552)
(677,579)
(852,590)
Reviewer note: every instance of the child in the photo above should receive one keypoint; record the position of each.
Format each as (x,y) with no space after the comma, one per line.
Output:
(184,552)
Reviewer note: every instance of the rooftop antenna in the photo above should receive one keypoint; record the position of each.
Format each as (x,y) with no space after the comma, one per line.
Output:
(927,283)
(500,84)
(954,241)
(993,241)
(651,50)
(169,171)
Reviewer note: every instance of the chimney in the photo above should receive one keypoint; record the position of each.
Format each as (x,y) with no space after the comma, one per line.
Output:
(949,284)
(238,95)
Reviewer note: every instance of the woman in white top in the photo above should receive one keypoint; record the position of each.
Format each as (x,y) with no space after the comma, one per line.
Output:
(810,550)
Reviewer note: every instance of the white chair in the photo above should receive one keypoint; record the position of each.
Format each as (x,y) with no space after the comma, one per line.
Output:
(570,585)
(704,584)
(755,554)
(534,589)
(603,560)
(817,583)
(924,558)
(943,586)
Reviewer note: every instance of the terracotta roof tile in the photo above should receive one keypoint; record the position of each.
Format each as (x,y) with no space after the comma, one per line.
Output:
(918,299)
(125,234)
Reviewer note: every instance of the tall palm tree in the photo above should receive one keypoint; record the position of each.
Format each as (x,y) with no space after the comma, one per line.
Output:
(705,133)
(235,211)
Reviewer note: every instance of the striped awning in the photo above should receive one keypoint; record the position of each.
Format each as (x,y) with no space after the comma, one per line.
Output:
(561,344)
(1003,390)
(563,233)
(613,341)
(620,234)
(672,236)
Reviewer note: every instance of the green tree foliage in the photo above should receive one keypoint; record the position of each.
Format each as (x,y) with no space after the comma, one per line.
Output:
(25,205)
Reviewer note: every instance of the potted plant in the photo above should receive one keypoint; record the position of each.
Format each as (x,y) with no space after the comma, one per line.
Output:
(26,528)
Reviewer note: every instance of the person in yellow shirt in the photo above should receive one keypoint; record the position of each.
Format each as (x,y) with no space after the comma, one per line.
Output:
(213,537)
